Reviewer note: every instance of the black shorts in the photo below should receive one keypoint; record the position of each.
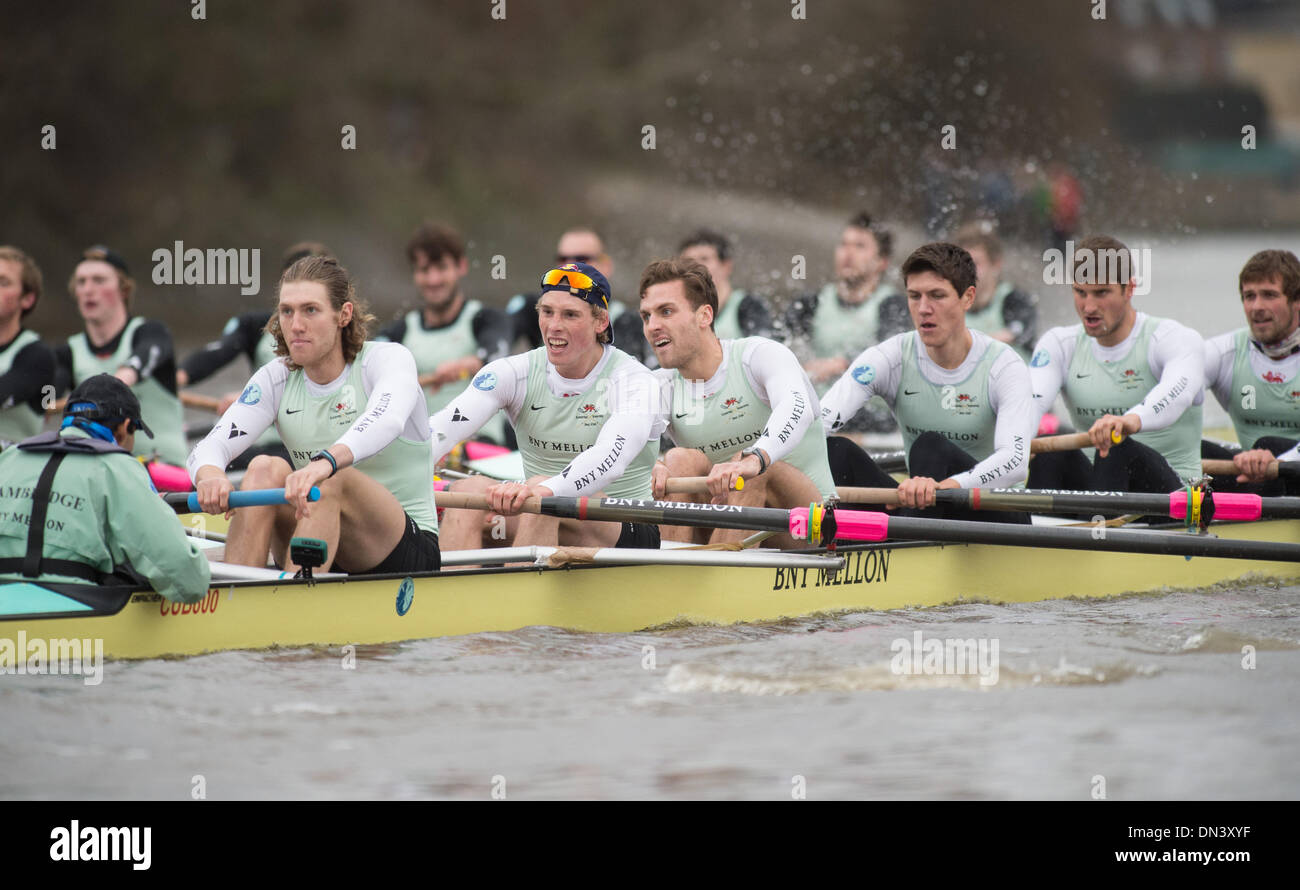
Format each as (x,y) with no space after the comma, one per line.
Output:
(416,552)
(638,535)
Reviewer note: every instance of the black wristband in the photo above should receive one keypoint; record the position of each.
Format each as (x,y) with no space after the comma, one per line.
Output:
(762,461)
(329,457)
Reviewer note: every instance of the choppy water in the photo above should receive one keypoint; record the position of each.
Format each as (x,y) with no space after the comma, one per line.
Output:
(1149,693)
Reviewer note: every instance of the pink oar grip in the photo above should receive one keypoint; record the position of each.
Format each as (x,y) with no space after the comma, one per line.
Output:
(1228,505)
(850,525)
(169,478)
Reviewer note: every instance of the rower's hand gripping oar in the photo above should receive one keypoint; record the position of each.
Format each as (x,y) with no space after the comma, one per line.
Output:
(1288,469)
(183,503)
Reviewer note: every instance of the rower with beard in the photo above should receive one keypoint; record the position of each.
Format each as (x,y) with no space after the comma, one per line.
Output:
(962,399)
(26,363)
(586,417)
(353,419)
(1125,376)
(135,350)
(451,336)
(740,408)
(1254,372)
(245,334)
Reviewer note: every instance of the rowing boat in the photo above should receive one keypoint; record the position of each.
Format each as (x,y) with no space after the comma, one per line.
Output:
(335,611)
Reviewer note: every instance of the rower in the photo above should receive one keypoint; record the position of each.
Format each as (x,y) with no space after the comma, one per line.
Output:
(1003,311)
(1124,375)
(861,308)
(353,418)
(135,350)
(962,399)
(76,508)
(740,313)
(1254,372)
(245,334)
(585,414)
(26,363)
(734,408)
(450,336)
(579,245)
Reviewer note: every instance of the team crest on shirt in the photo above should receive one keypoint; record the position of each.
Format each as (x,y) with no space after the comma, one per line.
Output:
(733,407)
(344,406)
(590,416)
(962,403)
(864,374)
(1129,378)
(251,395)
(1040,360)
(1273,377)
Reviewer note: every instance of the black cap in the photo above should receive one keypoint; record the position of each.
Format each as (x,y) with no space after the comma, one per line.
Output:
(104,397)
(108,255)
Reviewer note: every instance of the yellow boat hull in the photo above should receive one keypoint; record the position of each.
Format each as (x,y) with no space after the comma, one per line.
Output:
(617,599)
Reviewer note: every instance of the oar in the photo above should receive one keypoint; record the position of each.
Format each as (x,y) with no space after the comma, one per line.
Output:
(201,402)
(1066,442)
(1288,469)
(858,525)
(1220,505)
(189,503)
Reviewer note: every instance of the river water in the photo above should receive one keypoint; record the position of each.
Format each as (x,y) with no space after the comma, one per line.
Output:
(1185,695)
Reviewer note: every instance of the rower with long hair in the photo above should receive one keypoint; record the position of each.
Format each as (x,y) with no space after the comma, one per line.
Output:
(352,416)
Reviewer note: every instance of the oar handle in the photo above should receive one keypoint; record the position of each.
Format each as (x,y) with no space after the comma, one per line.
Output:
(695,485)
(261,497)
(1066,442)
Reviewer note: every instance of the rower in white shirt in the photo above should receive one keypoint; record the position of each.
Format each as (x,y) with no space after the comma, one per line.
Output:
(1125,375)
(735,408)
(962,399)
(1254,372)
(586,416)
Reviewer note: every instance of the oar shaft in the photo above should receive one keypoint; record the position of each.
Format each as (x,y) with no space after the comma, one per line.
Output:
(1289,469)
(201,402)
(860,525)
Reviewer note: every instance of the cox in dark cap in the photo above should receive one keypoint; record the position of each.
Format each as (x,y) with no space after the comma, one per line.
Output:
(104,398)
(582,281)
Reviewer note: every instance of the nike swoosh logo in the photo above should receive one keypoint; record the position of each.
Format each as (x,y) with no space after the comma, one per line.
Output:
(287,411)
(537,407)
(680,416)
(1081,376)
(910,392)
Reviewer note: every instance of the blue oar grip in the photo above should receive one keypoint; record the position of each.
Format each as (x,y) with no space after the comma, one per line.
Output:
(259,498)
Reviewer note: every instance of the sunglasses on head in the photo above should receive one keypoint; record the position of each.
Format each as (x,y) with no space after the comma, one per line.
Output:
(577,282)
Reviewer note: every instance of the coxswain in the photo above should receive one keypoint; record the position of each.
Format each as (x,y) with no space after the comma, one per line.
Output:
(962,399)
(353,419)
(76,508)
(586,416)
(136,350)
(1127,377)
(26,362)
(735,409)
